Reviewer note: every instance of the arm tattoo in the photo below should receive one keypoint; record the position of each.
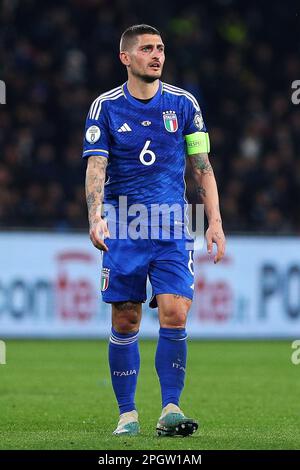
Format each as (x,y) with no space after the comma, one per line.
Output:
(201,191)
(217,235)
(200,162)
(218,218)
(90,200)
(206,186)
(94,186)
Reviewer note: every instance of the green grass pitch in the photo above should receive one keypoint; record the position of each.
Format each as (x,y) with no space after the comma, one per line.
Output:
(57,395)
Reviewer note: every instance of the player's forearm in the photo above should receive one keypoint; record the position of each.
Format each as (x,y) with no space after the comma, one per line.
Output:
(94,187)
(206,186)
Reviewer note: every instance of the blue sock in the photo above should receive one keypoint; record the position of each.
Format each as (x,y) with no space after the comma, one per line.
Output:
(170,363)
(124,362)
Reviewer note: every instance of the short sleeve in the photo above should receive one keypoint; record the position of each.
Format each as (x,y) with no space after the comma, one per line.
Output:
(193,117)
(96,136)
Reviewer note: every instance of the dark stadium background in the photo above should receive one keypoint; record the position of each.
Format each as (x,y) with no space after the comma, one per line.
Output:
(238,58)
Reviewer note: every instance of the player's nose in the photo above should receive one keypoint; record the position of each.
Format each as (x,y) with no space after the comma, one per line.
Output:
(157,53)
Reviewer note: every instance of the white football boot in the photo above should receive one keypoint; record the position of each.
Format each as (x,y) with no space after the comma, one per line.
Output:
(128,424)
(172,422)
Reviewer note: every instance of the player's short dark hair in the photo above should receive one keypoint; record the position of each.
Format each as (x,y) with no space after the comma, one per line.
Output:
(129,36)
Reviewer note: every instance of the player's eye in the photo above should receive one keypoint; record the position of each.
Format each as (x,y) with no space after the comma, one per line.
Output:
(145,49)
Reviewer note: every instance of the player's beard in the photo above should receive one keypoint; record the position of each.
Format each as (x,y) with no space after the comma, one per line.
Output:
(146,78)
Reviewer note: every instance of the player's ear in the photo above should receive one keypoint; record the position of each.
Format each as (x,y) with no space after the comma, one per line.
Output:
(124,58)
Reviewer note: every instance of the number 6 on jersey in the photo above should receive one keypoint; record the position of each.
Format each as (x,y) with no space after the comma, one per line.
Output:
(146,151)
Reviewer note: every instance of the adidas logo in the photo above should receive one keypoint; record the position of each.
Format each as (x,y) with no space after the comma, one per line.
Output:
(124,128)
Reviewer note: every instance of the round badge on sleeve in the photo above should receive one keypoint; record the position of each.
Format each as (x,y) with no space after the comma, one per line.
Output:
(92,134)
(198,120)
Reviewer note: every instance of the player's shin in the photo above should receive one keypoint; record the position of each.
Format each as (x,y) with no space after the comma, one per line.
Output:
(170,362)
(124,362)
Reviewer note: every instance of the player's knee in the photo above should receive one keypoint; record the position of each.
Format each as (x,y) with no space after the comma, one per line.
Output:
(124,324)
(126,317)
(173,319)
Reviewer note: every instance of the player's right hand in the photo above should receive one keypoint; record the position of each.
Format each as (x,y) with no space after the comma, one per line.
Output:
(98,232)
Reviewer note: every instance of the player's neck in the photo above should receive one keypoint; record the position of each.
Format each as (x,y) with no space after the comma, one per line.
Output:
(142,90)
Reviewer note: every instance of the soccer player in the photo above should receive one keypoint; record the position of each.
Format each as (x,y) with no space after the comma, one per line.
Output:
(136,139)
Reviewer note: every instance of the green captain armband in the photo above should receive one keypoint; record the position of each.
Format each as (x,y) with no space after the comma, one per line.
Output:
(198,142)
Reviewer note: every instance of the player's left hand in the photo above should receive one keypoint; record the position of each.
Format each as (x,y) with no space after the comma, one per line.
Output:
(215,234)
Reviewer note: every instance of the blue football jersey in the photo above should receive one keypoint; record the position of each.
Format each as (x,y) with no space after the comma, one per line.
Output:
(144,143)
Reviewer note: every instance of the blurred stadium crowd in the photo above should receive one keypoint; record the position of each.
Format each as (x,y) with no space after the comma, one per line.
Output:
(238,58)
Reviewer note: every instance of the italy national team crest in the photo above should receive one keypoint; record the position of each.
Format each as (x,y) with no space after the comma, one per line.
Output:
(170,121)
(104,278)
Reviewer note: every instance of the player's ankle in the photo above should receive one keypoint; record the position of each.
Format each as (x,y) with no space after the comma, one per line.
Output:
(171,408)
